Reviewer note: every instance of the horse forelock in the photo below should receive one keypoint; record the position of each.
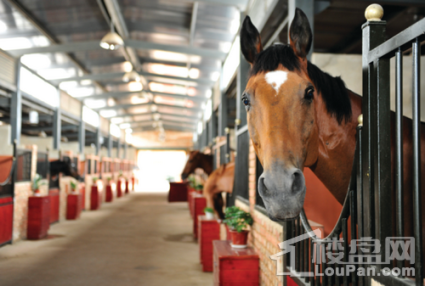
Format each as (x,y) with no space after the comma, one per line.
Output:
(332,89)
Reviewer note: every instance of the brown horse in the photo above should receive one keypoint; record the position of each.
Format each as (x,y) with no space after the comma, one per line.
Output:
(298,116)
(221,180)
(197,160)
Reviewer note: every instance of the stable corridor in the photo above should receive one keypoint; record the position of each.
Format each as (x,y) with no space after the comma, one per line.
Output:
(138,240)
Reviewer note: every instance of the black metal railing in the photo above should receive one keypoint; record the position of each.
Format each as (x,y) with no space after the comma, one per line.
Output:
(23,165)
(43,164)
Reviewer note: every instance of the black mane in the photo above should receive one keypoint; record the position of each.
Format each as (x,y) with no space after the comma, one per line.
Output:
(331,88)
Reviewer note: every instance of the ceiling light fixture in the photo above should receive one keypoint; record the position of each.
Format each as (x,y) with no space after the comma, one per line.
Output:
(131,76)
(111,41)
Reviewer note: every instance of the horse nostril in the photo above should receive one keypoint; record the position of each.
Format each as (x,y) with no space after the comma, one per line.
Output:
(261,186)
(297,182)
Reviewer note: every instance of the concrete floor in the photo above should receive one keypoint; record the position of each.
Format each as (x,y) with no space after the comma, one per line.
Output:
(137,240)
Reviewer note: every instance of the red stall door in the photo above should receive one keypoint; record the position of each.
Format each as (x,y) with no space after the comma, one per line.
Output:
(6,219)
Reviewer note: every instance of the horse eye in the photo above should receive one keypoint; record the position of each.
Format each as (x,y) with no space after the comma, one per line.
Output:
(245,100)
(309,94)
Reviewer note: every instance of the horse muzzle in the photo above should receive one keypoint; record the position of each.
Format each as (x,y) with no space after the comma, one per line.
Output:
(283,193)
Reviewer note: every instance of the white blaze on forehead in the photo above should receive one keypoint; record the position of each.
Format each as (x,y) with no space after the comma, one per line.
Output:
(276,79)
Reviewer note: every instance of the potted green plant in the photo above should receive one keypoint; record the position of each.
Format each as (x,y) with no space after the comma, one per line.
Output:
(209,213)
(73,187)
(94,180)
(238,221)
(199,188)
(36,183)
(109,179)
(192,181)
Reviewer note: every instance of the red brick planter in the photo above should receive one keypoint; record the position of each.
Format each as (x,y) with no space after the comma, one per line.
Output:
(54,205)
(119,188)
(94,198)
(208,231)
(109,194)
(73,206)
(199,204)
(38,217)
(127,190)
(235,266)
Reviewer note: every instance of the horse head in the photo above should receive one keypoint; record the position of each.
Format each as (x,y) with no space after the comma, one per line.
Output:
(196,160)
(68,168)
(281,99)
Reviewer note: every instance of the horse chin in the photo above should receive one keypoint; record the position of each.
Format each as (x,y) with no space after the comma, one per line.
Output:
(283,219)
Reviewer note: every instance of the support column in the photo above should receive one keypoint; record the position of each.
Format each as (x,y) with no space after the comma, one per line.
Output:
(125,150)
(57,129)
(241,81)
(110,145)
(222,115)
(81,136)
(97,141)
(16,106)
(118,147)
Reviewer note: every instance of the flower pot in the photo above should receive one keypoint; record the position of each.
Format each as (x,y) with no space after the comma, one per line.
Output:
(209,215)
(239,239)
(37,192)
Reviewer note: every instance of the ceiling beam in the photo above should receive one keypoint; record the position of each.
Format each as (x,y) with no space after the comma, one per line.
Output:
(166,127)
(162,105)
(107,76)
(123,94)
(136,44)
(161,113)
(125,106)
(43,30)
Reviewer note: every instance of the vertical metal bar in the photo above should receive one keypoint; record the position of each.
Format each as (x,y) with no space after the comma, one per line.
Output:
(306,256)
(416,121)
(318,258)
(97,141)
(334,251)
(312,252)
(345,245)
(81,136)
(56,129)
(118,147)
(222,115)
(324,265)
(16,106)
(382,158)
(399,143)
(373,35)
(109,145)
(125,150)
(227,131)
(301,250)
(297,245)
(360,212)
(353,217)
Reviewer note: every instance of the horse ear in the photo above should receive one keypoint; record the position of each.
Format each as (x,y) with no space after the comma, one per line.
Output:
(250,40)
(300,35)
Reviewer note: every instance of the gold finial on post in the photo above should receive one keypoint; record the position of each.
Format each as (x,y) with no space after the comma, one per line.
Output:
(237,121)
(227,130)
(360,120)
(374,12)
